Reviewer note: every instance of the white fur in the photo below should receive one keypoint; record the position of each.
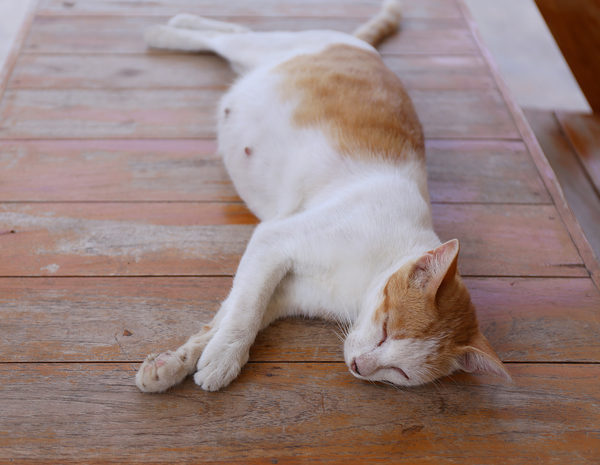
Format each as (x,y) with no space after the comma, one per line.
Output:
(333,228)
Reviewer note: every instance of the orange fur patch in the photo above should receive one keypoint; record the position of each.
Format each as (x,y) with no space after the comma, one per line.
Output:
(360,102)
(410,312)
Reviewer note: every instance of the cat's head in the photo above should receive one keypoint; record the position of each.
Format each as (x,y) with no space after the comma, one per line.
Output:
(422,327)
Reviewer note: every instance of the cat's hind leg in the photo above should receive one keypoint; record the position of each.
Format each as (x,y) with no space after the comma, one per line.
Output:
(246,50)
(187,21)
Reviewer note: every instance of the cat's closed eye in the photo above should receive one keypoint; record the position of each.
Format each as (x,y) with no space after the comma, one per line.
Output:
(384,334)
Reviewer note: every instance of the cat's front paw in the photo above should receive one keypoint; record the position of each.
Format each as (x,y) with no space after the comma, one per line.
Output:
(159,372)
(220,364)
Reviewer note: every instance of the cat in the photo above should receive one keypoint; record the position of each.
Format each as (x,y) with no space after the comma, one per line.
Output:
(323,144)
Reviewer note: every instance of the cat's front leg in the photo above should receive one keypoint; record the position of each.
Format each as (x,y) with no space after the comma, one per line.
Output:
(265,263)
(160,372)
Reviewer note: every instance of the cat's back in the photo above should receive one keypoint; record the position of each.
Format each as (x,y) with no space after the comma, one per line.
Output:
(357,100)
(289,130)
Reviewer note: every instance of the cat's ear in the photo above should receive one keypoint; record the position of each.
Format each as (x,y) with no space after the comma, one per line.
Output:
(479,357)
(435,267)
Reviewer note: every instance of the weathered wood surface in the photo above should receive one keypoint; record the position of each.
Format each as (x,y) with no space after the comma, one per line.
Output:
(121,170)
(190,170)
(293,413)
(264,8)
(583,131)
(162,70)
(482,171)
(189,113)
(106,169)
(115,35)
(209,238)
(550,320)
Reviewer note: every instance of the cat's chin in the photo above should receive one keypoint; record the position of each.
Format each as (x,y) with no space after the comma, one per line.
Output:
(393,375)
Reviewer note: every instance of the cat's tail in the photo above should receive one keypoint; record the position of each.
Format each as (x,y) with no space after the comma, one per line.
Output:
(382,25)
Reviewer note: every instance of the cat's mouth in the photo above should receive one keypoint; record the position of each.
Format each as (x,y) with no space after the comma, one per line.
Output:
(401,371)
(354,368)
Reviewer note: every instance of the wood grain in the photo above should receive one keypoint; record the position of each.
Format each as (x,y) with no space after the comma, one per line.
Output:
(124,170)
(294,413)
(209,238)
(547,320)
(190,170)
(163,70)
(264,8)
(127,113)
(523,240)
(295,402)
(124,34)
(123,239)
(188,113)
(482,171)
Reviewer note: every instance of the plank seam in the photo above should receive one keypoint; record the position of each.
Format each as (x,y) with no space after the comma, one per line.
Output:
(212,136)
(213,139)
(232,18)
(259,362)
(234,202)
(100,276)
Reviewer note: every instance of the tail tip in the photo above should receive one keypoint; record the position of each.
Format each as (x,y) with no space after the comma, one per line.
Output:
(393,8)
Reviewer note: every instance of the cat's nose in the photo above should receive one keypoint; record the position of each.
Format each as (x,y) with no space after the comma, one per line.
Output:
(365,365)
(354,368)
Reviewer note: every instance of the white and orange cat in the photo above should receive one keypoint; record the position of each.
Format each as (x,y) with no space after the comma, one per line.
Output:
(323,144)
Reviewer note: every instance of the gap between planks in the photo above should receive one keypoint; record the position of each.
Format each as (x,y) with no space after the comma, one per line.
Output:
(226,202)
(225,275)
(262,362)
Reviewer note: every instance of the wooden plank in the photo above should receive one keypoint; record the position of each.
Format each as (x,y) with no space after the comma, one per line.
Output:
(526,320)
(175,113)
(512,237)
(206,238)
(542,164)
(575,25)
(578,190)
(147,71)
(298,413)
(162,70)
(126,170)
(124,34)
(108,114)
(483,114)
(123,239)
(482,171)
(190,170)
(310,8)
(431,72)
(583,131)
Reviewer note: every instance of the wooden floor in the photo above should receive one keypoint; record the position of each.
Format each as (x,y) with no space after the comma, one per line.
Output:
(119,234)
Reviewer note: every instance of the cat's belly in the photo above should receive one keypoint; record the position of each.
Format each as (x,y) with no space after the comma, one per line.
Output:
(276,167)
